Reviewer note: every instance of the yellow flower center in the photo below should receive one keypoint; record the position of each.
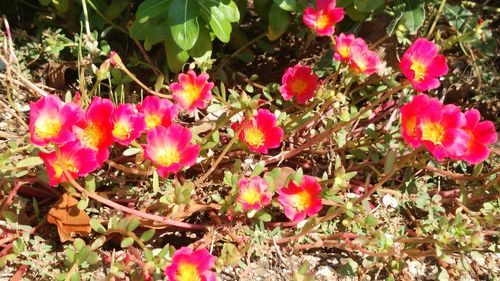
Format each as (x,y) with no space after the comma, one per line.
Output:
(122,130)
(361,65)
(91,136)
(152,121)
(47,127)
(169,156)
(191,93)
(251,196)
(344,51)
(187,272)
(254,137)
(298,86)
(410,125)
(322,21)
(68,164)
(302,200)
(433,132)
(419,69)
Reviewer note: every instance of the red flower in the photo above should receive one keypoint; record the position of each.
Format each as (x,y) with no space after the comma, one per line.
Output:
(192,91)
(343,44)
(127,124)
(51,121)
(253,194)
(324,17)
(78,161)
(410,119)
(363,60)
(170,149)
(302,200)
(422,65)
(481,134)
(261,133)
(157,112)
(299,82)
(95,129)
(189,265)
(440,130)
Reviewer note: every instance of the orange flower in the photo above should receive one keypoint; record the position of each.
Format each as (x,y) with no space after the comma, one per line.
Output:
(192,91)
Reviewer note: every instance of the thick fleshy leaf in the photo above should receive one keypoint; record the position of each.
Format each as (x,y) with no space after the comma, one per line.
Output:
(183,21)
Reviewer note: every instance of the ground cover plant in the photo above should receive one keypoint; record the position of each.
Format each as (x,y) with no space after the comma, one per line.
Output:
(249,140)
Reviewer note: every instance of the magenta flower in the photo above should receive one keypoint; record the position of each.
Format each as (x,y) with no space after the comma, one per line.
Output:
(481,135)
(192,91)
(363,60)
(157,112)
(95,129)
(422,65)
(410,119)
(440,130)
(78,160)
(170,149)
(324,17)
(253,194)
(299,82)
(261,133)
(189,265)
(343,44)
(127,124)
(51,121)
(301,200)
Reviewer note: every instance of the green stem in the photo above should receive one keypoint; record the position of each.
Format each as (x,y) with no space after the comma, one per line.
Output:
(436,19)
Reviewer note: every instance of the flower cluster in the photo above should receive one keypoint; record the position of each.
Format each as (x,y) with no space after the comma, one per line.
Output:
(446,131)
(355,51)
(83,136)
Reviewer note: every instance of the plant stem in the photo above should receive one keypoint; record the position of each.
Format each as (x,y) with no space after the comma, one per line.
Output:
(121,66)
(436,19)
(127,169)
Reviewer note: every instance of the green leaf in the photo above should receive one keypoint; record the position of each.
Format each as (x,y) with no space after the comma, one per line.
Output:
(90,183)
(150,9)
(133,224)
(183,21)
(131,151)
(83,254)
(278,22)
(230,10)
(220,24)
(457,16)
(287,5)
(202,49)
(126,242)
(414,15)
(147,235)
(30,162)
(93,258)
(79,243)
(367,5)
(259,168)
(97,226)
(176,56)
(263,216)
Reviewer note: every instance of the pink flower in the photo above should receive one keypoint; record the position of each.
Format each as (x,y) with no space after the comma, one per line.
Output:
(189,265)
(324,17)
(343,44)
(78,161)
(157,112)
(51,121)
(253,194)
(95,129)
(410,119)
(170,149)
(440,130)
(422,65)
(127,124)
(481,134)
(261,133)
(299,82)
(302,200)
(363,60)
(192,91)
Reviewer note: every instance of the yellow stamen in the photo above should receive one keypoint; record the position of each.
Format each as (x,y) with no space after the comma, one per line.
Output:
(68,164)
(47,127)
(187,272)
(433,132)
(91,136)
(152,121)
(302,200)
(168,156)
(122,130)
(322,21)
(419,69)
(251,196)
(298,86)
(344,51)
(191,93)
(254,137)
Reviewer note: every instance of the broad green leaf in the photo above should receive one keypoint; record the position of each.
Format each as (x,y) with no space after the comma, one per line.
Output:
(176,56)
(231,11)
(202,49)
(150,9)
(287,5)
(153,31)
(278,22)
(183,21)
(457,16)
(414,16)
(367,5)
(30,162)
(220,24)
